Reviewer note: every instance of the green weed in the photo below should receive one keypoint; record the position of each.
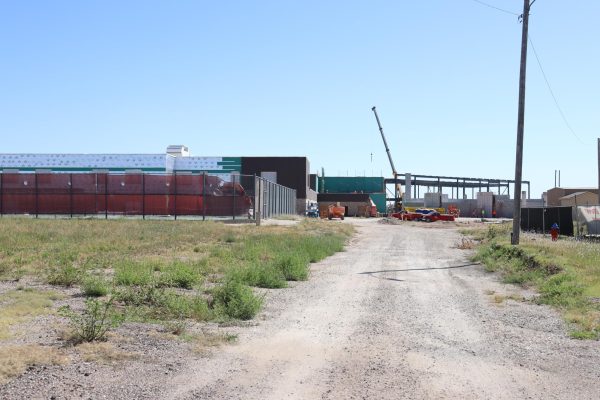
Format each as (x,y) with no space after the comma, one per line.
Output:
(94,286)
(64,275)
(236,300)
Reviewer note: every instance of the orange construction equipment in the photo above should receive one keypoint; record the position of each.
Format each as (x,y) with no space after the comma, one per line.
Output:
(331,211)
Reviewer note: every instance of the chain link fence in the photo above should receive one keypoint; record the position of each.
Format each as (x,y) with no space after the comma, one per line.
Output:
(191,195)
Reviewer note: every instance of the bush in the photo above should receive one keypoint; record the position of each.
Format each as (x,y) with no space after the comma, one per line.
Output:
(293,267)
(134,274)
(235,300)
(94,286)
(179,275)
(93,323)
(64,275)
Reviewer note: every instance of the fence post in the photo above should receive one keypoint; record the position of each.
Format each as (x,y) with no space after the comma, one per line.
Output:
(175,195)
(36,194)
(143,195)
(71,195)
(96,196)
(233,200)
(1,194)
(204,196)
(106,195)
(256,200)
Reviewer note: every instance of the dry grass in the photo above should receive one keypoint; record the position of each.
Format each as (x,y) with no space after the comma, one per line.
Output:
(18,306)
(14,360)
(202,342)
(466,244)
(104,352)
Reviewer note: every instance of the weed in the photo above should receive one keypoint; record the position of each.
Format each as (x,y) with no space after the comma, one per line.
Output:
(264,275)
(94,286)
(94,322)
(134,274)
(179,275)
(64,275)
(235,300)
(293,267)
(561,290)
(176,327)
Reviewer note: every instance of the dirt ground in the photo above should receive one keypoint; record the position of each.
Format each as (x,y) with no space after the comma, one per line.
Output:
(401,314)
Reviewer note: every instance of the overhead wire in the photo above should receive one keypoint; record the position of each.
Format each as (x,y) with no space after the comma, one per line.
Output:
(562,114)
(496,8)
(556,103)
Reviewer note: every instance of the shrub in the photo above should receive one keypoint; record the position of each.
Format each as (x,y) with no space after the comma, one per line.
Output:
(179,275)
(293,267)
(236,300)
(95,320)
(64,275)
(134,274)
(94,286)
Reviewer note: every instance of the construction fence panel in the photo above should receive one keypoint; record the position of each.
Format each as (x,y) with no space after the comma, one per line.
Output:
(587,220)
(237,197)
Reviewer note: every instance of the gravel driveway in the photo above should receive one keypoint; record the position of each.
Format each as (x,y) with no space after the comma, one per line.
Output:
(401,314)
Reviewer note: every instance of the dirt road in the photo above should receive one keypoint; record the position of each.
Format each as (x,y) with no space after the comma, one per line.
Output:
(400,314)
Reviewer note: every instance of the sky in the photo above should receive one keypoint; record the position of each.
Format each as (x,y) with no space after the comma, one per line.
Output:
(299,78)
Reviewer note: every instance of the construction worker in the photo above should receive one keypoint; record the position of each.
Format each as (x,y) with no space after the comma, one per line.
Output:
(482,214)
(494,213)
(554,230)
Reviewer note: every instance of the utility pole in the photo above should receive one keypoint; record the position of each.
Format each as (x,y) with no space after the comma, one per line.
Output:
(520,126)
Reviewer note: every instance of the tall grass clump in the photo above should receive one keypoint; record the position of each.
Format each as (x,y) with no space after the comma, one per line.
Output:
(94,286)
(129,273)
(64,275)
(236,300)
(179,275)
(293,266)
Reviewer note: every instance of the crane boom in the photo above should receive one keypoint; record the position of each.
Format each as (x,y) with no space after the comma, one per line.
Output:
(398,186)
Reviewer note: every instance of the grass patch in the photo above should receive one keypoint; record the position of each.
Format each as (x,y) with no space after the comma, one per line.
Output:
(236,300)
(16,359)
(103,352)
(179,275)
(18,306)
(152,266)
(159,304)
(64,275)
(130,273)
(565,273)
(95,286)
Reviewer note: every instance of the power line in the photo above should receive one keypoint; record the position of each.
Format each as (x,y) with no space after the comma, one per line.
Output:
(497,8)
(562,114)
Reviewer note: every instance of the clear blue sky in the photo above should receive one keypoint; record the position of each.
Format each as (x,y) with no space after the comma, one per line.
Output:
(300,77)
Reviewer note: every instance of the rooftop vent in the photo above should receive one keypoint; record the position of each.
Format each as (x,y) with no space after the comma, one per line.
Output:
(178,150)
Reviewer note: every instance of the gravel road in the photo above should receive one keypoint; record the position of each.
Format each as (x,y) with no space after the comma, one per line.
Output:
(401,314)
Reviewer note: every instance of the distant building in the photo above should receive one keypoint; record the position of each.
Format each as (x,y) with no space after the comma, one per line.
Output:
(292,172)
(579,199)
(554,195)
